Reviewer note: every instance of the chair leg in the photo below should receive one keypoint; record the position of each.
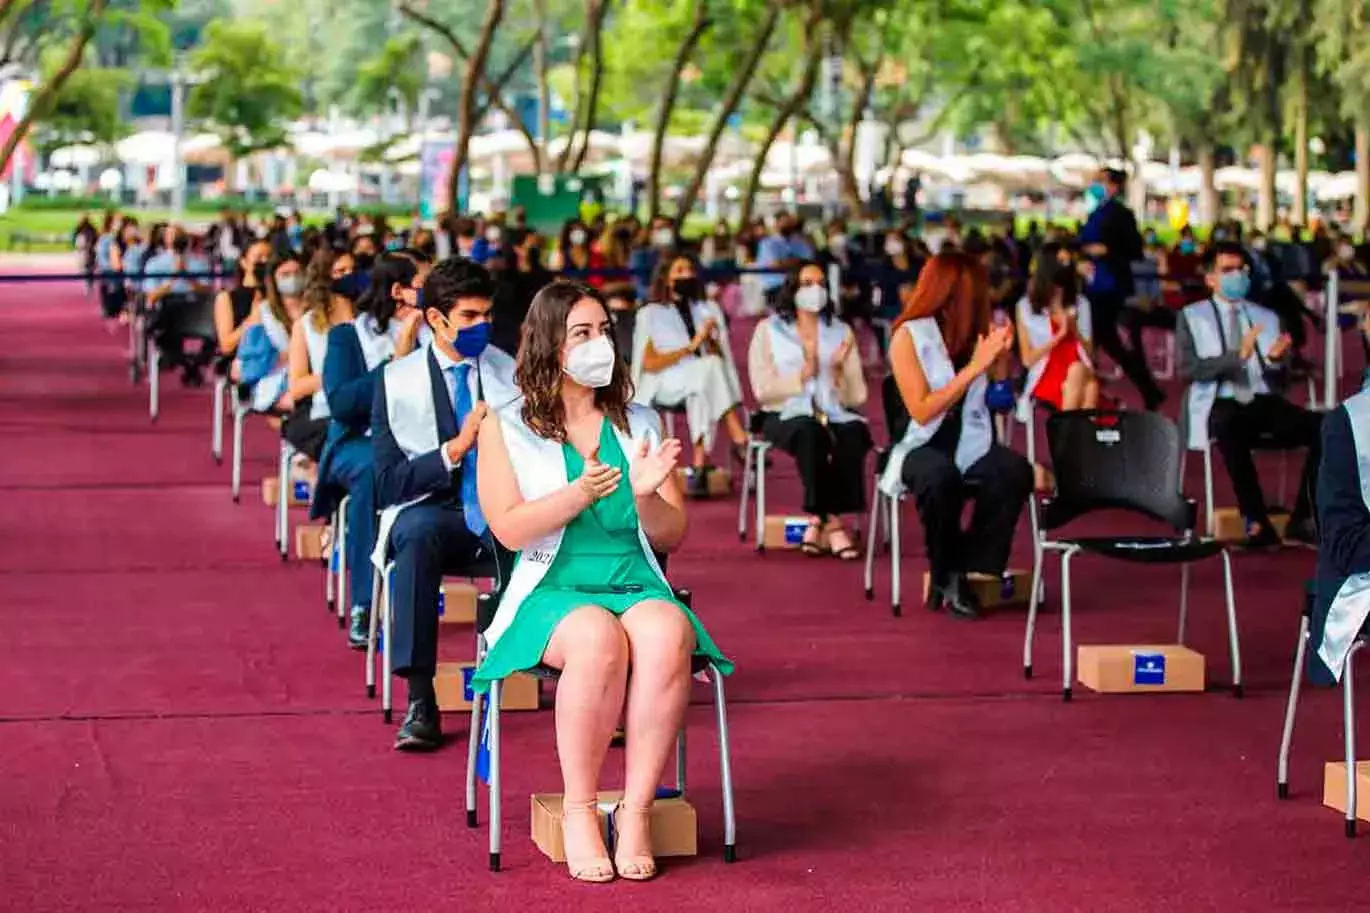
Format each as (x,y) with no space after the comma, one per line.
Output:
(376,605)
(1290,709)
(1067,670)
(895,557)
(283,494)
(1184,601)
(472,750)
(154,381)
(239,416)
(216,440)
(1212,521)
(331,567)
(1232,638)
(387,679)
(496,819)
(681,773)
(344,604)
(760,501)
(871,535)
(1038,556)
(745,494)
(1348,698)
(726,771)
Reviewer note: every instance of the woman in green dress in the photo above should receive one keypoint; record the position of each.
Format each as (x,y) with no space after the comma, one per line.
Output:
(579,482)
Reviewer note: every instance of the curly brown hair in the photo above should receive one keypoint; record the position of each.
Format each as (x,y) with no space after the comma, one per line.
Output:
(538,369)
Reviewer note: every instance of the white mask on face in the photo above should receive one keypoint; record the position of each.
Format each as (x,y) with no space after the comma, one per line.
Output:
(591,364)
(894,247)
(1346,252)
(811,298)
(577,236)
(290,284)
(662,237)
(837,243)
(492,234)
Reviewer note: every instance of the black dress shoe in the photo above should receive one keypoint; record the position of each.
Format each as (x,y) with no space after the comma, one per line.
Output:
(360,631)
(422,727)
(1265,538)
(1301,532)
(960,599)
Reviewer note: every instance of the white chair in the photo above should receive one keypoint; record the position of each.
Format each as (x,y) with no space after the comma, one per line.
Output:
(890,507)
(222,395)
(1210,521)
(754,474)
(337,565)
(284,492)
(490,735)
(1348,695)
(240,414)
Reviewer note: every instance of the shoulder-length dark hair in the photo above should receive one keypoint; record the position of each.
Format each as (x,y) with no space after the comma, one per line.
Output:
(784,302)
(389,269)
(954,288)
(538,370)
(659,290)
(1049,276)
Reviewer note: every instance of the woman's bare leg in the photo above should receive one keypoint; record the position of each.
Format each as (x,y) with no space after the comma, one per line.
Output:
(732,423)
(660,642)
(591,650)
(1073,387)
(1090,399)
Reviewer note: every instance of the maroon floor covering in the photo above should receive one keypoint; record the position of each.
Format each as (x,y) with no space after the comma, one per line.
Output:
(181,727)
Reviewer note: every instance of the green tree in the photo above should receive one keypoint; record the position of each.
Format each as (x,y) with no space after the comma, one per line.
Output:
(397,67)
(85,110)
(1342,41)
(248,91)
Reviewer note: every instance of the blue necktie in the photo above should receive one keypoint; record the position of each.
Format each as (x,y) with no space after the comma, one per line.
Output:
(470,499)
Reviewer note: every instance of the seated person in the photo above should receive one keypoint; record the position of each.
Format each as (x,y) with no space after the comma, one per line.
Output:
(806,373)
(262,362)
(424,422)
(1054,335)
(1341,605)
(234,308)
(941,348)
(682,356)
(1230,351)
(385,326)
(579,482)
(307,427)
(177,257)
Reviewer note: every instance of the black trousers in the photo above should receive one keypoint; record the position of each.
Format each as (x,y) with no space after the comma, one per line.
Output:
(305,434)
(1265,423)
(427,541)
(1000,482)
(830,461)
(1107,312)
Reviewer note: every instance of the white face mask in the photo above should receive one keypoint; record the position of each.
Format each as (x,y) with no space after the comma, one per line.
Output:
(591,364)
(662,237)
(1346,252)
(577,236)
(837,243)
(894,247)
(290,284)
(492,234)
(811,298)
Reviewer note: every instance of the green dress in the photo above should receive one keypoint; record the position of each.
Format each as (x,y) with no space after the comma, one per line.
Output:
(600,549)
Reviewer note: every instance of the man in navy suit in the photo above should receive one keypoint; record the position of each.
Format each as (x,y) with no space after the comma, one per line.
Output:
(427,412)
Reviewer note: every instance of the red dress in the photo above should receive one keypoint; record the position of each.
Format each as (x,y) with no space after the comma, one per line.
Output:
(1066,353)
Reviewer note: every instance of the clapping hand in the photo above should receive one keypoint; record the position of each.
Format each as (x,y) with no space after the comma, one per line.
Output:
(840,356)
(599,480)
(648,469)
(409,333)
(1280,348)
(1249,338)
(989,347)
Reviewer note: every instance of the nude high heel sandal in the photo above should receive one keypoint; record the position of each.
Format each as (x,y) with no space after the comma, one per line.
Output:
(636,868)
(596,869)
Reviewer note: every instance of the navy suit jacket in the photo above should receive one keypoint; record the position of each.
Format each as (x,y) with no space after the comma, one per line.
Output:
(400,479)
(1343,527)
(350,389)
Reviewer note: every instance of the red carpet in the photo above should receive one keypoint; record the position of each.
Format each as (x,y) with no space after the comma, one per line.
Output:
(181,727)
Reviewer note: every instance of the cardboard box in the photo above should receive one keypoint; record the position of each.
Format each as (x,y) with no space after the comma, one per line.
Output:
(453,684)
(1230,526)
(674,827)
(1139,668)
(1043,480)
(309,542)
(301,491)
(457,602)
(783,532)
(1334,787)
(1013,588)
(720,481)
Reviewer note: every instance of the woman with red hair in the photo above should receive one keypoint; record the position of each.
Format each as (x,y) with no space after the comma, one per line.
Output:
(940,350)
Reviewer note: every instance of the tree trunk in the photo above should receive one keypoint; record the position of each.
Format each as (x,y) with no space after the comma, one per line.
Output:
(47,92)
(597,14)
(846,166)
(698,26)
(1300,212)
(1208,187)
(475,70)
(783,115)
(1361,213)
(731,99)
(544,95)
(1265,197)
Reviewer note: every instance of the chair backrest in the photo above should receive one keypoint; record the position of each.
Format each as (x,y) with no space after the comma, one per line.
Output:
(892,402)
(1106,460)
(190,315)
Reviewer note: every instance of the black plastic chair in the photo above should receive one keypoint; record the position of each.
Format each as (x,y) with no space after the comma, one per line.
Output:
(486,606)
(176,319)
(1128,461)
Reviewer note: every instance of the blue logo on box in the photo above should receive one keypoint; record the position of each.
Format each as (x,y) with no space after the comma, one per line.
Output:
(1148,668)
(794,531)
(442,602)
(468,673)
(1007,586)
(301,490)
(335,561)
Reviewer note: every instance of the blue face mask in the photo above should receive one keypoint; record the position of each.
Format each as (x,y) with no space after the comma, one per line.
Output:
(1186,247)
(472,340)
(1234,286)
(1096,192)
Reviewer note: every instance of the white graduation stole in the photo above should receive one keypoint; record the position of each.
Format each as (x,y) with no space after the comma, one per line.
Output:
(1351,606)
(1208,343)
